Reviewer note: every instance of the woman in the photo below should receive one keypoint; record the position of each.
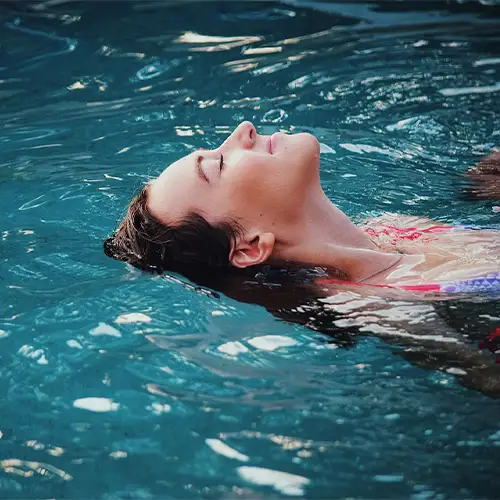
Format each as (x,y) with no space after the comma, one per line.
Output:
(254,207)
(258,199)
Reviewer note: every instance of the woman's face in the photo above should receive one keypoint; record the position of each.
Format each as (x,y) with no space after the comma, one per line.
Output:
(260,181)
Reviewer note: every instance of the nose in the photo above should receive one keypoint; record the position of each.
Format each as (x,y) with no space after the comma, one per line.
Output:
(243,136)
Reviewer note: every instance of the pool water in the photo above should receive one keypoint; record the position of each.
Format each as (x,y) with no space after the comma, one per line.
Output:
(121,385)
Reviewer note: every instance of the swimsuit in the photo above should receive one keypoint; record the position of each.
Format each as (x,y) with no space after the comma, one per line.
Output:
(400,234)
(489,283)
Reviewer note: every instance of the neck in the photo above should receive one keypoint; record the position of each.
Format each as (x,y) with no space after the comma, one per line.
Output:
(324,236)
(322,221)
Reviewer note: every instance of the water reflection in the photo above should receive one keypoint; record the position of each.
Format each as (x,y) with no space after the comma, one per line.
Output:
(28,469)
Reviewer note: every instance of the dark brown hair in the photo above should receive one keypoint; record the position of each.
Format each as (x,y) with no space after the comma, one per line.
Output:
(148,244)
(199,251)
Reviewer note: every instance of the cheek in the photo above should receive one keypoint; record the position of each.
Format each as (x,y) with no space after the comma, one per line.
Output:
(261,200)
(232,198)
(245,192)
(212,207)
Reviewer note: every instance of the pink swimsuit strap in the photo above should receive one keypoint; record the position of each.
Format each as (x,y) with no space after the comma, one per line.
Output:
(405,233)
(489,283)
(427,287)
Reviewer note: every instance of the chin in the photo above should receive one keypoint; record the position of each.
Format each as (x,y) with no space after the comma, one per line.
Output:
(309,143)
(305,157)
(310,148)
(302,155)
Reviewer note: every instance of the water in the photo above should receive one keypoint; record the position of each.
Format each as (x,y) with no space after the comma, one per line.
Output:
(119,385)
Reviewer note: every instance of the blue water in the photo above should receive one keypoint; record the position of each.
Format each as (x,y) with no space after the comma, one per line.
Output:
(204,396)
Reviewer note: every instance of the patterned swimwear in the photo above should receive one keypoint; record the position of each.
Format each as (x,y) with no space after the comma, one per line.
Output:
(488,283)
(401,234)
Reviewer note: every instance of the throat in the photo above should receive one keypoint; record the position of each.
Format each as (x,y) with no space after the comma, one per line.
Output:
(322,235)
(323,222)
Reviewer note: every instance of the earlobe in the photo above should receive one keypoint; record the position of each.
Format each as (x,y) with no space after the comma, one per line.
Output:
(253,250)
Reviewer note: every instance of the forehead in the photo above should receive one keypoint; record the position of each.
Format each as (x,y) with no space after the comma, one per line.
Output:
(168,198)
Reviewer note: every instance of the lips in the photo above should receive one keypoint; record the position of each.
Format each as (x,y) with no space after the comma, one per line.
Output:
(272,143)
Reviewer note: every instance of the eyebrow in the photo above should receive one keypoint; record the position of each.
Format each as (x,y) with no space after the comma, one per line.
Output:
(199,170)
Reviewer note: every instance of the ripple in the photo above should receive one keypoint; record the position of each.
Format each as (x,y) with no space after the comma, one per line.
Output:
(70,44)
(271,342)
(288,484)
(275,116)
(223,449)
(485,89)
(153,70)
(28,468)
(98,405)
(104,329)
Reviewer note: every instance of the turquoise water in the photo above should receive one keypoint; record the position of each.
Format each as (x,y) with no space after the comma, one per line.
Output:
(203,396)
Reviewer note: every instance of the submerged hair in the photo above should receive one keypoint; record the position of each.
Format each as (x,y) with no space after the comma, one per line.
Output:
(199,251)
(151,245)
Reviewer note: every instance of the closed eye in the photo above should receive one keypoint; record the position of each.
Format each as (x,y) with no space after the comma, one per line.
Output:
(221,166)
(199,170)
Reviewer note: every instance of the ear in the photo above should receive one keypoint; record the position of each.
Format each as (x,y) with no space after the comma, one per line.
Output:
(252,250)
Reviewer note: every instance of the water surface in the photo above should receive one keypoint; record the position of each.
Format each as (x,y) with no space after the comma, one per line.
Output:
(203,396)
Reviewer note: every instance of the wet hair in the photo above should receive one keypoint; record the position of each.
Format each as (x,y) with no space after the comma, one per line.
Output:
(483,180)
(199,251)
(151,245)
(193,247)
